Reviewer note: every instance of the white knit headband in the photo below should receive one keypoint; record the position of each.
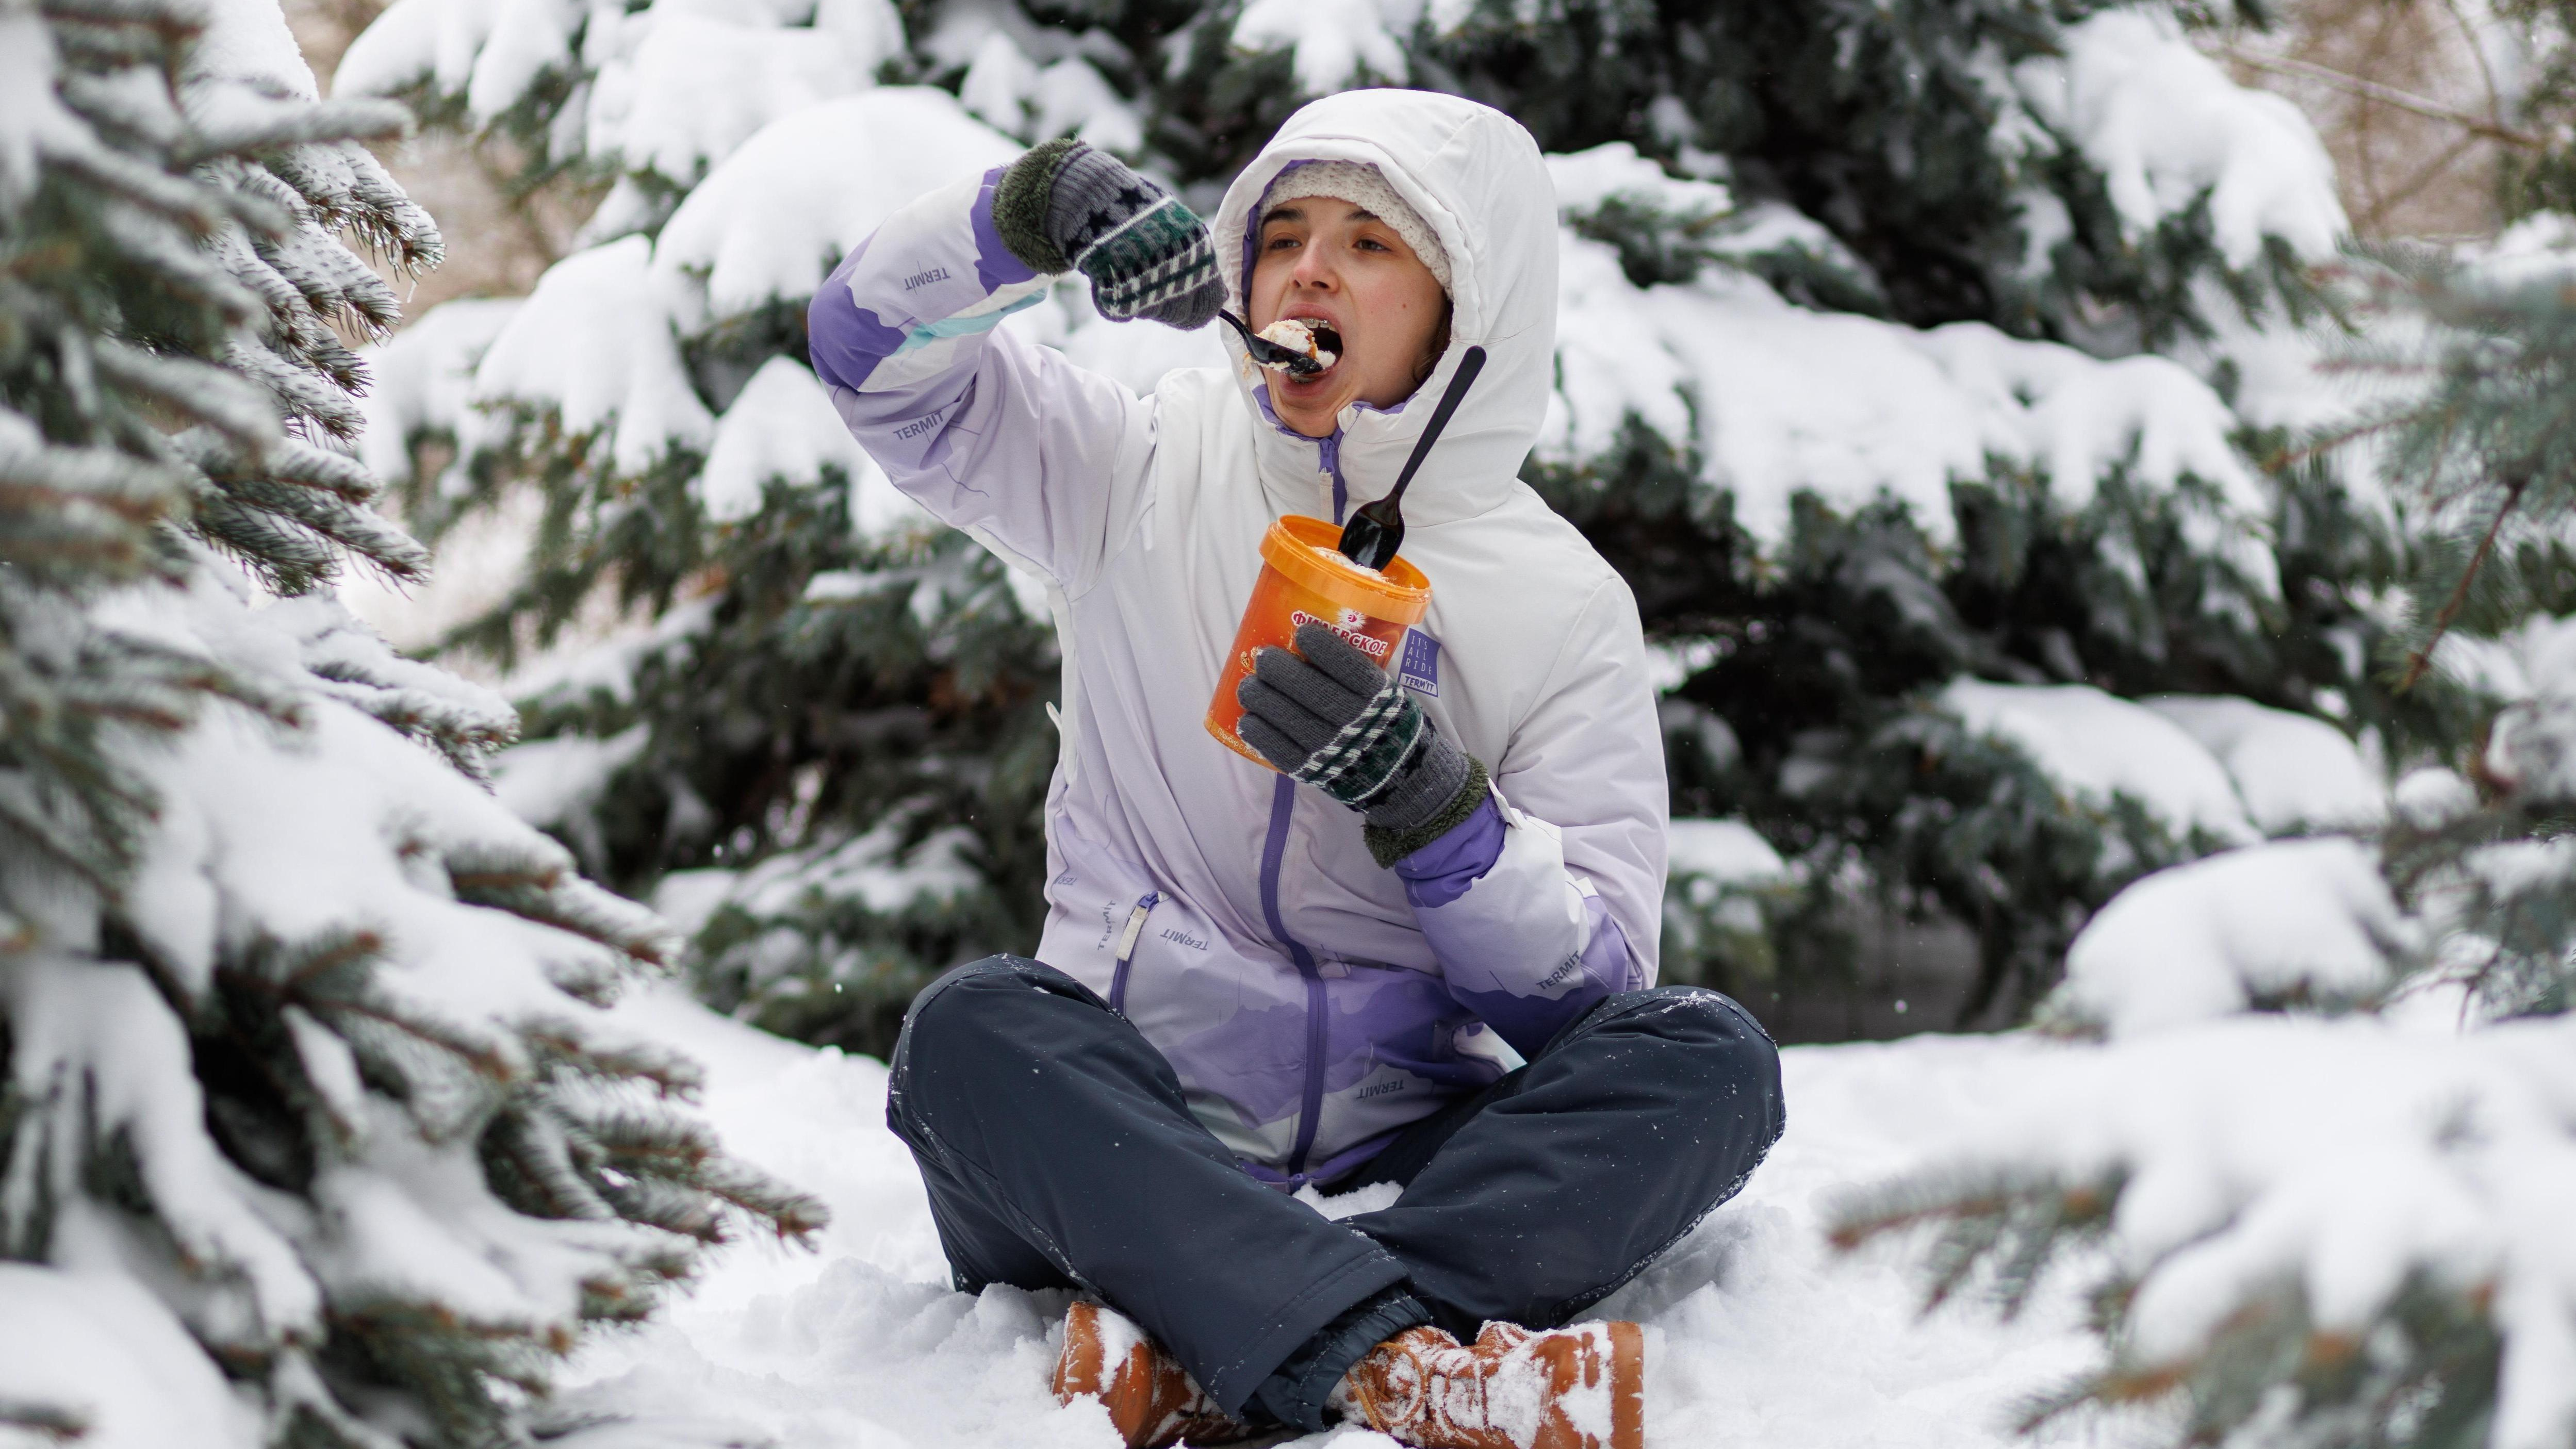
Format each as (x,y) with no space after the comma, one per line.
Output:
(1359,183)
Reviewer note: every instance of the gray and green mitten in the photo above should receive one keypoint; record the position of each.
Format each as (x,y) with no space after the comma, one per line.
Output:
(1066,206)
(1334,720)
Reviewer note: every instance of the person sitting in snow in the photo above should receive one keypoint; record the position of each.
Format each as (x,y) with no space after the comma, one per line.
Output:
(1253,983)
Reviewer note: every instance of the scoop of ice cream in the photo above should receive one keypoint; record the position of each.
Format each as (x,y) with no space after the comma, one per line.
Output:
(1298,335)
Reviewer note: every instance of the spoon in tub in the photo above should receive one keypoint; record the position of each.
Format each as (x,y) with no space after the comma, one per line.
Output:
(1374,533)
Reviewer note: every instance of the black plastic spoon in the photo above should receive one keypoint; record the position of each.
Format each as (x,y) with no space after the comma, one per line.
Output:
(1271,354)
(1374,533)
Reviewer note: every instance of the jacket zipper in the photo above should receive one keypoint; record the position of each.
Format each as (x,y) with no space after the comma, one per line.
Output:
(1127,949)
(1274,848)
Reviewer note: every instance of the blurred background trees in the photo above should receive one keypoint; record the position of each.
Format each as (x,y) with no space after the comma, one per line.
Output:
(2315,1160)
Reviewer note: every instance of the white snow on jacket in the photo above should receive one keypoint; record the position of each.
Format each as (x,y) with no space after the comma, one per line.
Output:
(1311,1002)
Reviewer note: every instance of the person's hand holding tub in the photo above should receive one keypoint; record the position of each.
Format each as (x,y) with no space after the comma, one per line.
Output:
(1334,720)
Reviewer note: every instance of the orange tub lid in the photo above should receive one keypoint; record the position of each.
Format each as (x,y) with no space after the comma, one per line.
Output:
(1308,551)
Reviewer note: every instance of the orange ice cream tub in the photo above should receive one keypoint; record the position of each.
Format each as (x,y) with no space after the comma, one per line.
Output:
(1305,577)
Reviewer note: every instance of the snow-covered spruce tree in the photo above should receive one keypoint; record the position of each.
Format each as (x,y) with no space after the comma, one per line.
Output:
(1904,596)
(827,749)
(312,1131)
(1917,366)
(2349,1230)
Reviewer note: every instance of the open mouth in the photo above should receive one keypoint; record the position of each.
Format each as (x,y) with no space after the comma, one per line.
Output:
(1304,346)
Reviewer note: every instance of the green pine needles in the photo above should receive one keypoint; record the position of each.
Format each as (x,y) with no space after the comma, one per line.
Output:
(2347,1232)
(2422,1375)
(2480,434)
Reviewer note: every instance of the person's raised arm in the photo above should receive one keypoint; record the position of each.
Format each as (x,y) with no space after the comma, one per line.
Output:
(1539,889)
(989,433)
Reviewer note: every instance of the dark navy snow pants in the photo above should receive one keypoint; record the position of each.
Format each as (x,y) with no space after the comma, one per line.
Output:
(1058,1152)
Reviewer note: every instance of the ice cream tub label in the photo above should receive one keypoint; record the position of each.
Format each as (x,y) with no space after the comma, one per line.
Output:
(1305,578)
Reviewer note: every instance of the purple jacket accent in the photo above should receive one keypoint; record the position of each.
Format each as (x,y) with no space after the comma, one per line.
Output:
(844,343)
(1378,1017)
(1325,1171)
(995,266)
(1252,239)
(1530,1022)
(1604,967)
(1440,872)
(1607,962)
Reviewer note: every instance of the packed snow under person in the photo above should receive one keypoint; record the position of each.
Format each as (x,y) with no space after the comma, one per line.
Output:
(1250,981)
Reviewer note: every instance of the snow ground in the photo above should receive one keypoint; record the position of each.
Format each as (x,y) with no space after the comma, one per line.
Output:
(1758,1334)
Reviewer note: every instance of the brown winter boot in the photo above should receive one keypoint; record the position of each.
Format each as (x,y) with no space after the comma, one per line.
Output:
(1571,1388)
(1152,1400)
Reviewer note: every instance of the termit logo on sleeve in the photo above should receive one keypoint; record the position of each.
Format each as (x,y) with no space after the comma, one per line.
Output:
(1420,669)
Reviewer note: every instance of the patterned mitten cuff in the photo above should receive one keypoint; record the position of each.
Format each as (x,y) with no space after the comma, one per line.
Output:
(1389,844)
(1021,201)
(1424,786)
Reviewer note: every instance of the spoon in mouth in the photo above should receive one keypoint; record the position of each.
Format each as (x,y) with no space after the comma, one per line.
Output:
(1284,359)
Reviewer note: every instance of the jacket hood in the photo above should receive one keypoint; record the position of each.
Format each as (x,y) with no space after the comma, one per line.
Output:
(1477,179)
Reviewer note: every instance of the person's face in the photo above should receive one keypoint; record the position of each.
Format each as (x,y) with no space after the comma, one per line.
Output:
(1327,260)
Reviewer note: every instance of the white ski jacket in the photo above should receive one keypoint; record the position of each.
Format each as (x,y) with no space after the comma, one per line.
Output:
(1311,1002)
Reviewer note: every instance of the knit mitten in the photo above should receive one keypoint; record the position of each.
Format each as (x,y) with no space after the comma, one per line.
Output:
(1329,717)
(1066,206)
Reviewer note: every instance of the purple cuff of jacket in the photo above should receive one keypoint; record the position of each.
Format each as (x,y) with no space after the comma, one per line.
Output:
(845,342)
(1440,872)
